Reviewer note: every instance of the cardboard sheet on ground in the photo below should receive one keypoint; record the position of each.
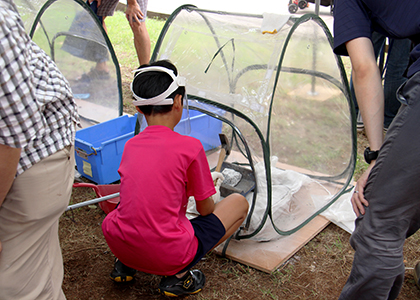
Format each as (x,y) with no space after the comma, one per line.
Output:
(268,250)
(269,256)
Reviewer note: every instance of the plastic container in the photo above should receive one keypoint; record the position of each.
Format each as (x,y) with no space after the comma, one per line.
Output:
(101,191)
(99,148)
(203,127)
(245,185)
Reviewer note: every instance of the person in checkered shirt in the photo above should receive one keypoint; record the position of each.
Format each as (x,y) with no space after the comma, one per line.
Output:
(38,116)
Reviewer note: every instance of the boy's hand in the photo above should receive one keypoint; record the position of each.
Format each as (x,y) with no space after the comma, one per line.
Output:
(217,178)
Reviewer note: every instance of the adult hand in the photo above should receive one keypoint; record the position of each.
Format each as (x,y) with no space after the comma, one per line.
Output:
(358,200)
(133,12)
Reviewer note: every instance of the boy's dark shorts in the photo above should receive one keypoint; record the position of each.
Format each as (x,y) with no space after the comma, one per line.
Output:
(208,230)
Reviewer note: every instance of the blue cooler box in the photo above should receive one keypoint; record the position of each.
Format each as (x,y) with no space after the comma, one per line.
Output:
(203,127)
(99,148)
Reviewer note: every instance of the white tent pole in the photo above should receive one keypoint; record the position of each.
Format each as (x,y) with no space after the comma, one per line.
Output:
(93,201)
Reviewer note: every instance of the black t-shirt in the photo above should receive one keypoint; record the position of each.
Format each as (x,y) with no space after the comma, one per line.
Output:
(394,18)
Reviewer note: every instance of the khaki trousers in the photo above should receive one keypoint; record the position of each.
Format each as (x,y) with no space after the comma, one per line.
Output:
(31,264)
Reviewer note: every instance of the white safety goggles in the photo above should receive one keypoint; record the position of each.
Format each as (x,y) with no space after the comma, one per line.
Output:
(183,127)
(162,98)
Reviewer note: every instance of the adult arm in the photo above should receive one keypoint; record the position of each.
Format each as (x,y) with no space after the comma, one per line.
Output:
(8,165)
(9,158)
(133,11)
(13,75)
(370,98)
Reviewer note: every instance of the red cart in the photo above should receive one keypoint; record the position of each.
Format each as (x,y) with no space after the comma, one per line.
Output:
(108,194)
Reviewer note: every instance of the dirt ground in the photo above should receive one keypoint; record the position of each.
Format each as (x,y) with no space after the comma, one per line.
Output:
(317,271)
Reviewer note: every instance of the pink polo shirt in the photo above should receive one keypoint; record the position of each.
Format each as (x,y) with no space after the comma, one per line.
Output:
(159,170)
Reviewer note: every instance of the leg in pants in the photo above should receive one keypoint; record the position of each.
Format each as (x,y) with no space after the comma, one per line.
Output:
(31,265)
(394,208)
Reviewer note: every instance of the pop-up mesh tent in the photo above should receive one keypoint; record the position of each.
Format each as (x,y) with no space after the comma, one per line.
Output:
(281,96)
(270,83)
(70,33)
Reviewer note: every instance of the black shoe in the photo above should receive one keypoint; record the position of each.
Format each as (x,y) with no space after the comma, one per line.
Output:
(121,272)
(94,74)
(191,283)
(416,273)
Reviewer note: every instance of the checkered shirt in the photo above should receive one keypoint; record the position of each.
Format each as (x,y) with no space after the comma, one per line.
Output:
(37,110)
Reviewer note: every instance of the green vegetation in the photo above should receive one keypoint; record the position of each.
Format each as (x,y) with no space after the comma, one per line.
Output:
(361,166)
(121,37)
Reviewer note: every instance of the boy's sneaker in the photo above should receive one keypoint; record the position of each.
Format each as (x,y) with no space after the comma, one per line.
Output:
(192,283)
(121,272)
(416,273)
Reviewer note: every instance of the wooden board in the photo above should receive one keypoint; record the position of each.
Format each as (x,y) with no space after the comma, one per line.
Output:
(269,256)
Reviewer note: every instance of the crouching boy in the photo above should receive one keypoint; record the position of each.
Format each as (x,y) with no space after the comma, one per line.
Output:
(160,169)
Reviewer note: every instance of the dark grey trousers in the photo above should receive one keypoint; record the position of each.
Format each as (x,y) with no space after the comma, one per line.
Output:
(393,192)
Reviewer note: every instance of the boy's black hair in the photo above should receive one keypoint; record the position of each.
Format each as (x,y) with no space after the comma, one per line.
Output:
(153,83)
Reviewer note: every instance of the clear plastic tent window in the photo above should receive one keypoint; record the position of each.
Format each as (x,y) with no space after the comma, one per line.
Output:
(69,32)
(283,100)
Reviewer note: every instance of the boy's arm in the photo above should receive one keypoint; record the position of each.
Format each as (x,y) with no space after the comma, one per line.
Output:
(205,207)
